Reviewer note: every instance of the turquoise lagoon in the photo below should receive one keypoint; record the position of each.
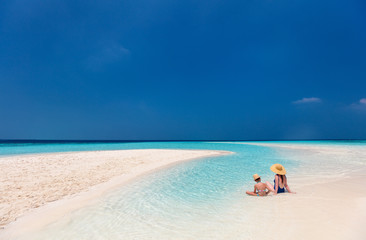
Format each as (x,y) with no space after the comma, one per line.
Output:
(199,199)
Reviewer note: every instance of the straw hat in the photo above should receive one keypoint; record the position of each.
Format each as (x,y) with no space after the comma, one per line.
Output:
(278,168)
(256,176)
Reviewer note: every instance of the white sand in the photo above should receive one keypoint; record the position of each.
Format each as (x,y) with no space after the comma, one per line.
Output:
(330,202)
(329,180)
(30,181)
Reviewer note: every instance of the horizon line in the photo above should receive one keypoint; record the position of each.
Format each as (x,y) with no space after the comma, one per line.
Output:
(175,140)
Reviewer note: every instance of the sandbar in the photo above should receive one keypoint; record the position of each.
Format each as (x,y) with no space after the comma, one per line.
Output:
(37,189)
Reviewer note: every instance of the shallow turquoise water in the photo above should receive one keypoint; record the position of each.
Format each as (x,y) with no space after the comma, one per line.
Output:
(231,169)
(191,200)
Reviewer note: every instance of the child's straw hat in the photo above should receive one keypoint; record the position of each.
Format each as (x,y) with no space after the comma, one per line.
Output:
(256,176)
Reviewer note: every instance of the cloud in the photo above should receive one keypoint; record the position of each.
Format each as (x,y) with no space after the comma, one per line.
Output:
(359,106)
(106,54)
(308,100)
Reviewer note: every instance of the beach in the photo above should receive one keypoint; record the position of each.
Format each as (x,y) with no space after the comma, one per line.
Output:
(195,200)
(28,182)
(147,120)
(330,194)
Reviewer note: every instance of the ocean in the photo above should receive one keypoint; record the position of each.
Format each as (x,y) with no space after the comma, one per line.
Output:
(192,200)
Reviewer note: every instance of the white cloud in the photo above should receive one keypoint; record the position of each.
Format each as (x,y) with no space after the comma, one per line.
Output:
(308,100)
(359,106)
(106,53)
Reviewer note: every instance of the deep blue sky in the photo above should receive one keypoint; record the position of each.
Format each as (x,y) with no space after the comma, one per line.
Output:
(172,69)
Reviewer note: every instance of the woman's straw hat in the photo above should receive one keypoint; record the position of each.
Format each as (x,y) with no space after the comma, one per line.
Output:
(256,176)
(278,168)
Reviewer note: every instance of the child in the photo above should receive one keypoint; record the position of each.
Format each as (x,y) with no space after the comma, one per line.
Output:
(260,189)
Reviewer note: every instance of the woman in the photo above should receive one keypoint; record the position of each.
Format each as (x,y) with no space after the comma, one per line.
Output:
(280,181)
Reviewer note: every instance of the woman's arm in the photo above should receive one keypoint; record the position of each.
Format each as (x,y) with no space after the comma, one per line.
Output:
(286,186)
(276,183)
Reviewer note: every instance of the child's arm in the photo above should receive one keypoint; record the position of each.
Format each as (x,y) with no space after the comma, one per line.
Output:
(252,193)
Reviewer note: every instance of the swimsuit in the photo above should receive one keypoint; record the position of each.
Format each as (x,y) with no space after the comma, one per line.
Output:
(261,191)
(280,190)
